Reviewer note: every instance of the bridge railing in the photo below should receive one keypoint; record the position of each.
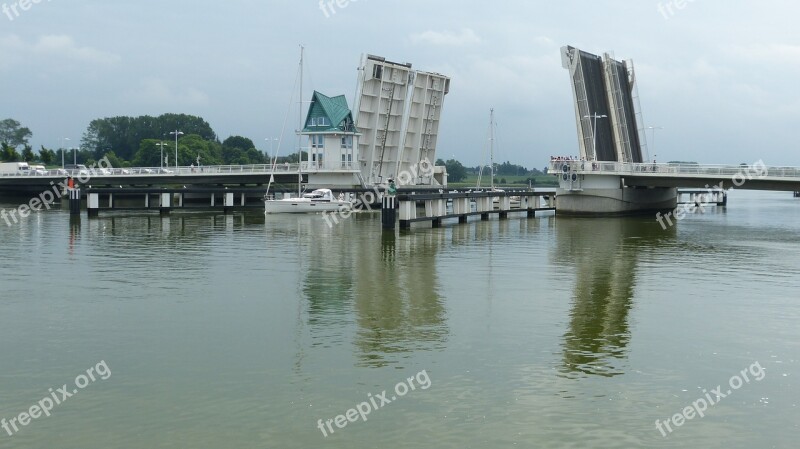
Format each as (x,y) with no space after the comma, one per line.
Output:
(159,171)
(656,169)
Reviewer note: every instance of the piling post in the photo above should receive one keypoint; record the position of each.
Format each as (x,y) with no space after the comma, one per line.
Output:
(166,204)
(408,212)
(389,212)
(75,202)
(530,205)
(228,207)
(461,208)
(505,206)
(92,204)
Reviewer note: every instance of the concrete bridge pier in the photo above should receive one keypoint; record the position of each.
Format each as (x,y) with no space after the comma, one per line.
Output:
(228,207)
(166,204)
(484,205)
(590,195)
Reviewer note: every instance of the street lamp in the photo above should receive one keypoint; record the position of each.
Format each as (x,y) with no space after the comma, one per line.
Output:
(654,128)
(594,131)
(161,144)
(176,133)
(271,140)
(62,151)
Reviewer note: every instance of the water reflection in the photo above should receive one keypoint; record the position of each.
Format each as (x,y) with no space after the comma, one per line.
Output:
(375,290)
(604,255)
(398,305)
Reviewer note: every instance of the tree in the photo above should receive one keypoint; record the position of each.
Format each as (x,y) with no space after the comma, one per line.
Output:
(125,134)
(28,154)
(509,169)
(237,150)
(47,156)
(8,153)
(194,145)
(149,154)
(13,133)
(292,158)
(114,160)
(455,171)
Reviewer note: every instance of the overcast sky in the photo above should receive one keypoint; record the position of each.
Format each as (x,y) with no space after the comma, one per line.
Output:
(720,77)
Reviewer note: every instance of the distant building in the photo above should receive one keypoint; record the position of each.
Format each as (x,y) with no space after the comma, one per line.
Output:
(332,135)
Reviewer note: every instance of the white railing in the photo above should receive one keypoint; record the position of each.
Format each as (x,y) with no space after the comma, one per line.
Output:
(656,170)
(182,171)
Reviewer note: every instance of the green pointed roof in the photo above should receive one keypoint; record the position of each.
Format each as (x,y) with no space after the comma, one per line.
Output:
(335,109)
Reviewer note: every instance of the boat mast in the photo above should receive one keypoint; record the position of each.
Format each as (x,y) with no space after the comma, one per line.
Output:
(491,144)
(300,124)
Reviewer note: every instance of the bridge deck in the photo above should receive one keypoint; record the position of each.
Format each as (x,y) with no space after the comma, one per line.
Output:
(751,177)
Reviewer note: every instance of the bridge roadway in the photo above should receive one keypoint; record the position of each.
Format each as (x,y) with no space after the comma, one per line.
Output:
(227,175)
(757,176)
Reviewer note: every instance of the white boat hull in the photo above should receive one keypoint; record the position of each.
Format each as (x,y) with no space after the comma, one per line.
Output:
(298,206)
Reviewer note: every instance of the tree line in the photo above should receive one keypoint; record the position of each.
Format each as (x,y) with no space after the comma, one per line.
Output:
(457,172)
(137,141)
(146,141)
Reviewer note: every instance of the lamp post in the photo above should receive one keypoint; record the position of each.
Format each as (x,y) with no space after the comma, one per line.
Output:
(62,151)
(271,140)
(74,155)
(161,160)
(594,133)
(654,128)
(176,133)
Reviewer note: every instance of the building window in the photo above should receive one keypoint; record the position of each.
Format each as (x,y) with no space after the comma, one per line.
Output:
(377,71)
(317,141)
(322,121)
(347,142)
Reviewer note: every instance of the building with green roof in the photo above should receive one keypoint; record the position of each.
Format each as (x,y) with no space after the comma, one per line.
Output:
(333,137)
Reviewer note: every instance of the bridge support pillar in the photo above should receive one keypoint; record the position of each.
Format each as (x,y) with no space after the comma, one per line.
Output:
(607,195)
(408,212)
(166,204)
(228,207)
(92,204)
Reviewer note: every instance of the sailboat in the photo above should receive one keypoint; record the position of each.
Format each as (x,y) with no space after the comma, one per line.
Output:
(320,200)
(492,187)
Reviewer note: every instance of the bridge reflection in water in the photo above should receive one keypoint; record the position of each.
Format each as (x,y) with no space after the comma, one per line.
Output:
(604,261)
(379,293)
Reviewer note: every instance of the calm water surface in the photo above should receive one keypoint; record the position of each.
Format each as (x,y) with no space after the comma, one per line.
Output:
(244,331)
